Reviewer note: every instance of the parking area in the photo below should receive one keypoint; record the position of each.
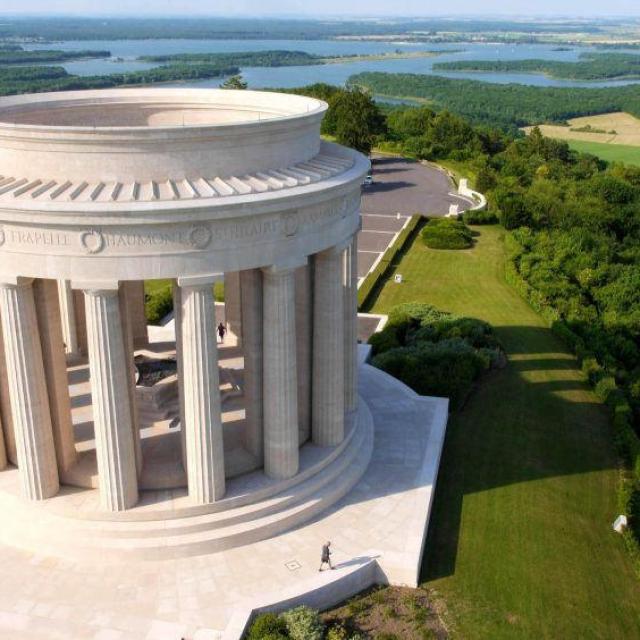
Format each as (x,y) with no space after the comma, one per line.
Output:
(400,189)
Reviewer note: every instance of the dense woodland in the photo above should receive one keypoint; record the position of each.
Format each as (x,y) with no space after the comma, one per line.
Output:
(32,79)
(17,55)
(591,66)
(508,106)
(68,28)
(276,58)
(574,239)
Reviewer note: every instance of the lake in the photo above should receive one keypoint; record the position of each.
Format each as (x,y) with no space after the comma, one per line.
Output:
(125,52)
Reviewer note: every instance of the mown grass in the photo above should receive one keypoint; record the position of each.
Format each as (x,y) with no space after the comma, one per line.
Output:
(609,152)
(520,543)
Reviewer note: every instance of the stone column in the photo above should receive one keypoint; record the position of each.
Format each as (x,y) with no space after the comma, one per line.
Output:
(50,327)
(109,371)
(251,299)
(134,294)
(81,321)
(304,338)
(328,349)
(177,322)
(68,318)
(351,325)
(124,300)
(232,307)
(205,451)
(280,376)
(28,391)
(5,407)
(3,451)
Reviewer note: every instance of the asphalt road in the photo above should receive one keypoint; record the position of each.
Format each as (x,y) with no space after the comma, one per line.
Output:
(400,189)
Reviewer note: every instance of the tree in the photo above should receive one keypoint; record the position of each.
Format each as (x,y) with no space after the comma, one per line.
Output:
(354,119)
(234,82)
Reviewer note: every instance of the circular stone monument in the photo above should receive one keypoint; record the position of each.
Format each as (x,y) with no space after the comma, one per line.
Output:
(102,190)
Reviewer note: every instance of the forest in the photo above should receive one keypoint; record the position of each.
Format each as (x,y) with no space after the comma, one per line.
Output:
(508,106)
(45,78)
(591,66)
(276,58)
(20,56)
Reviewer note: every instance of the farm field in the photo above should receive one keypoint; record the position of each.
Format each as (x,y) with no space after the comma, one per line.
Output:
(520,543)
(608,152)
(607,128)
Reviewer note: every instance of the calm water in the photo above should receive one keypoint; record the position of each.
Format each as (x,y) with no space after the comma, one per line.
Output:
(125,52)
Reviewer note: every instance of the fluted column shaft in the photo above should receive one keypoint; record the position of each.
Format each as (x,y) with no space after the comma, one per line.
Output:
(205,453)
(251,299)
(126,317)
(177,321)
(28,392)
(68,317)
(351,326)
(232,305)
(5,407)
(328,349)
(304,338)
(280,376)
(115,450)
(46,296)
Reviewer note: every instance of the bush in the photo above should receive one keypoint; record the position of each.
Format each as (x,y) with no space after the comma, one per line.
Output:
(479,216)
(303,623)
(445,233)
(268,626)
(435,352)
(157,305)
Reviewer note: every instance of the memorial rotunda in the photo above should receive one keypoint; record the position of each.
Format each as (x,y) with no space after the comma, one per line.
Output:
(101,191)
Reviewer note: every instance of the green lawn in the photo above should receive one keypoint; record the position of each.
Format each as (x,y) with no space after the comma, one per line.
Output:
(609,152)
(520,543)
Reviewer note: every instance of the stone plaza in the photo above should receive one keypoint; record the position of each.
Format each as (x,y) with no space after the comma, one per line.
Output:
(170,485)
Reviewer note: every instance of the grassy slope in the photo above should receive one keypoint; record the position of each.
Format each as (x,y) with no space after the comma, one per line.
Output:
(610,152)
(521,544)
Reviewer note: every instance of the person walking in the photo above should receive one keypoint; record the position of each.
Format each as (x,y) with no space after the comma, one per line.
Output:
(325,558)
(221,331)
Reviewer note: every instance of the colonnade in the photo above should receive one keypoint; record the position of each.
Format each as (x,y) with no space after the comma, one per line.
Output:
(299,337)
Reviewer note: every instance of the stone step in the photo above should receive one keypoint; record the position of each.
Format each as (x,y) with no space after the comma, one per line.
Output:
(244,513)
(210,540)
(111,540)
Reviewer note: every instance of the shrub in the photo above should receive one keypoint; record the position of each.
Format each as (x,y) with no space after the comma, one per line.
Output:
(268,626)
(303,623)
(435,352)
(634,514)
(158,304)
(445,233)
(479,216)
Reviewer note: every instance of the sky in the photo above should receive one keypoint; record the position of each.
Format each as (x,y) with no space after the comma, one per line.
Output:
(353,8)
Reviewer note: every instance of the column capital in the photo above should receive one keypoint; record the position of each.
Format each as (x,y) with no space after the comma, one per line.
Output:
(286,265)
(96,287)
(14,281)
(205,280)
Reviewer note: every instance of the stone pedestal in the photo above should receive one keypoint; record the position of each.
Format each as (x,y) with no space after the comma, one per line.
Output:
(280,374)
(252,344)
(112,420)
(328,349)
(28,391)
(203,421)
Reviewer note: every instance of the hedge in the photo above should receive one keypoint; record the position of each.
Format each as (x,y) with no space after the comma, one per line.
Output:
(376,276)
(446,233)
(625,439)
